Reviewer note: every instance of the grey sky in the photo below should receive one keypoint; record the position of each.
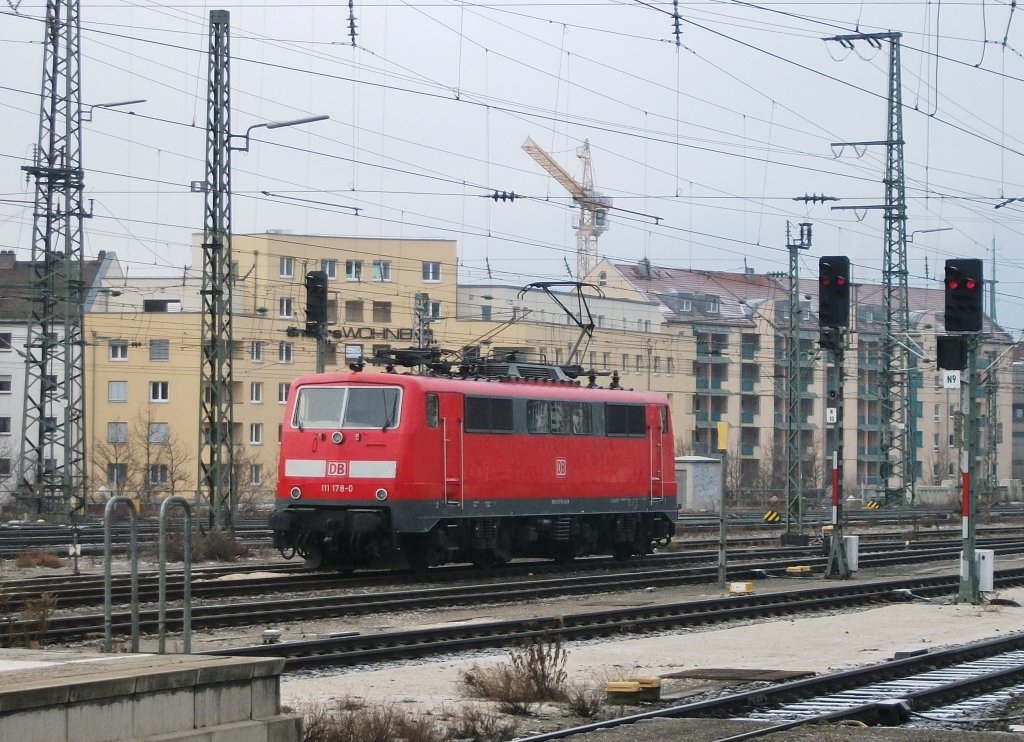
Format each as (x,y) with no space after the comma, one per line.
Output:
(428,113)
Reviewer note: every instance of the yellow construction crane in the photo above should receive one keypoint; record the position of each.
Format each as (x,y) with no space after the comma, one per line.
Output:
(593,217)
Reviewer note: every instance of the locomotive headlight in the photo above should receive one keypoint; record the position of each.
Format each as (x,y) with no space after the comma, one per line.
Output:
(381,494)
(295,493)
(337,436)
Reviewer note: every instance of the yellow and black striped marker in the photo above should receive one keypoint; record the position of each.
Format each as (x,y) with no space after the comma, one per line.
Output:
(772,516)
(872,505)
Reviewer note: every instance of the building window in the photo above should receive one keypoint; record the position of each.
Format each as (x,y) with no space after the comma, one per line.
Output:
(938,412)
(159,350)
(330,267)
(434,309)
(159,433)
(117,391)
(117,350)
(5,467)
(158,474)
(284,305)
(381,270)
(382,311)
(353,270)
(669,365)
(161,305)
(159,391)
(431,271)
(117,476)
(485,312)
(602,278)
(287,267)
(117,433)
(256,433)
(256,351)
(5,426)
(625,363)
(5,383)
(284,352)
(353,311)
(255,473)
(5,341)
(256,392)
(711,305)
(282,391)
(639,361)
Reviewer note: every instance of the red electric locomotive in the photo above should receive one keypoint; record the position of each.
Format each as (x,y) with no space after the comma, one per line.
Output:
(436,469)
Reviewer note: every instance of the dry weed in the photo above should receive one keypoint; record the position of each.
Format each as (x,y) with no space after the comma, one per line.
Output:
(38,559)
(534,672)
(356,723)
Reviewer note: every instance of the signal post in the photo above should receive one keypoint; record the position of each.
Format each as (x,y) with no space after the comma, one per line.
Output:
(958,351)
(834,318)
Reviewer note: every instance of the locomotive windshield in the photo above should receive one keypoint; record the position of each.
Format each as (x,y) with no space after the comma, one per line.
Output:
(347,407)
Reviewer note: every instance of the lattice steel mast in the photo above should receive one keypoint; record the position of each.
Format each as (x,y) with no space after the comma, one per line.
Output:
(897,422)
(216,433)
(51,472)
(794,387)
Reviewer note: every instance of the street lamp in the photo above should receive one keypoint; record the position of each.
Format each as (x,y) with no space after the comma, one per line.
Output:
(273,125)
(87,114)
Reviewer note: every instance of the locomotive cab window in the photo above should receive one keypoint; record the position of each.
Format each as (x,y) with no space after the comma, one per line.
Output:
(347,407)
(624,419)
(488,415)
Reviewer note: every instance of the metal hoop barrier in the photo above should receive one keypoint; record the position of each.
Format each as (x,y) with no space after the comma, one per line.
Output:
(186,618)
(108,610)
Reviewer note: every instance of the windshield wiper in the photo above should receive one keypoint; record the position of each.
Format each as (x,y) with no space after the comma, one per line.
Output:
(391,416)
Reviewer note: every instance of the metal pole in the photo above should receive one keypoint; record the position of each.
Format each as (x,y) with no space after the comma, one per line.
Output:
(837,563)
(721,524)
(969,577)
(187,588)
(108,611)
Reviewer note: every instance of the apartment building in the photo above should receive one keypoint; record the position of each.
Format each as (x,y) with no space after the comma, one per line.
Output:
(143,350)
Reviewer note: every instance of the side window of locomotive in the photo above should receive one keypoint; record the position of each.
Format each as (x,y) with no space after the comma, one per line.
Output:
(663,413)
(624,420)
(319,407)
(372,407)
(432,416)
(559,417)
(537,416)
(581,420)
(488,415)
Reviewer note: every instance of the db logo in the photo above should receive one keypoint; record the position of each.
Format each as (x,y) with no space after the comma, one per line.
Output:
(560,467)
(337,468)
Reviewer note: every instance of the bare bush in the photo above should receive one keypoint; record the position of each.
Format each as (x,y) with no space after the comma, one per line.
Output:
(584,699)
(38,559)
(350,721)
(36,615)
(206,547)
(473,724)
(535,672)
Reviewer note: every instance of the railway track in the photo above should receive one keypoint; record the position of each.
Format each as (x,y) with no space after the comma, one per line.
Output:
(401,645)
(944,683)
(208,583)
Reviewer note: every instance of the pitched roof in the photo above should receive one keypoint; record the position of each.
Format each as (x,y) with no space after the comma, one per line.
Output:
(17,277)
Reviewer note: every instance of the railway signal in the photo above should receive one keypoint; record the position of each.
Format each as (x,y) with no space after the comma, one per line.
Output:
(316,303)
(963,295)
(834,291)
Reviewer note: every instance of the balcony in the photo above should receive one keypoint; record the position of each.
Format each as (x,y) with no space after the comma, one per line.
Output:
(704,417)
(747,385)
(747,418)
(747,449)
(747,352)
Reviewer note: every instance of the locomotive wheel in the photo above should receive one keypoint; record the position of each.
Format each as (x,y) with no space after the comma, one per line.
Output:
(314,558)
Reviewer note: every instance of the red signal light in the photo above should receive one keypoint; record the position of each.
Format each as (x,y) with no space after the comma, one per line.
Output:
(953,285)
(970,284)
(825,281)
(840,281)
